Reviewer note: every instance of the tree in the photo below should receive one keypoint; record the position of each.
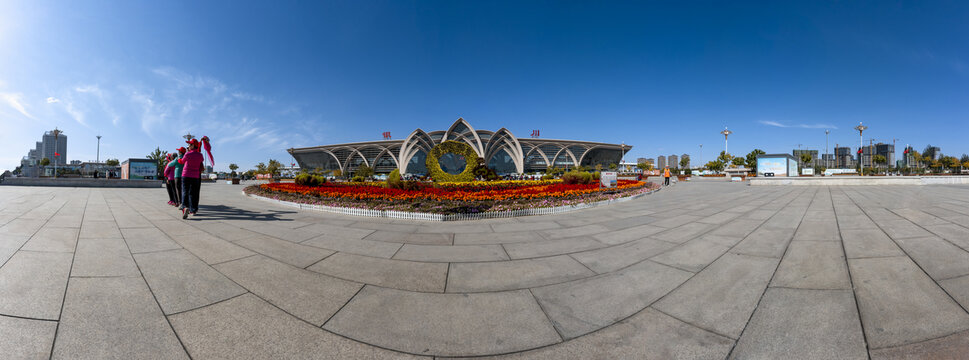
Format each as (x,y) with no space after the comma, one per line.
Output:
(805,159)
(233,167)
(715,165)
(738,161)
(613,166)
(159,156)
(685,162)
(273,167)
(949,161)
(724,157)
(915,158)
(879,159)
(644,166)
(260,168)
(363,171)
(752,159)
(44,162)
(112,162)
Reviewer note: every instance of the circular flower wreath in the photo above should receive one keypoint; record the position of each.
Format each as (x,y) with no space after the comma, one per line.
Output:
(451,147)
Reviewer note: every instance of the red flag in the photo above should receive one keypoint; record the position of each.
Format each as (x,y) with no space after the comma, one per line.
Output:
(57,154)
(859,151)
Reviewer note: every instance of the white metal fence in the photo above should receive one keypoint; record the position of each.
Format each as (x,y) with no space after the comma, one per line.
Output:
(393,214)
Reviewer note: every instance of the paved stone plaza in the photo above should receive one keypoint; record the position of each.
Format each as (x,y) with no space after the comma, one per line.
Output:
(701,270)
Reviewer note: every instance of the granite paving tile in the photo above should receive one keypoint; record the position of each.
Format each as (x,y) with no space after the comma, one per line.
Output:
(25,338)
(515,274)
(308,295)
(803,324)
(398,274)
(32,284)
(582,306)
(250,328)
(699,301)
(452,324)
(285,251)
(182,282)
(114,318)
(900,304)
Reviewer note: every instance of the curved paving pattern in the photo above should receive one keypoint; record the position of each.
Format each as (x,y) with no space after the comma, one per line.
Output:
(703,270)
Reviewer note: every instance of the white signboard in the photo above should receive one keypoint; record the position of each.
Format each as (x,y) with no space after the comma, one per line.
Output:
(608,179)
(807,171)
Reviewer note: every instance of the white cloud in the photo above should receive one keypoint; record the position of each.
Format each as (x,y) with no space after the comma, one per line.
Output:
(803,126)
(103,99)
(51,100)
(16,102)
(75,113)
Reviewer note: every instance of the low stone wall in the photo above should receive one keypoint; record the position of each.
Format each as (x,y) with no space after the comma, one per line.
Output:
(82,182)
(860,180)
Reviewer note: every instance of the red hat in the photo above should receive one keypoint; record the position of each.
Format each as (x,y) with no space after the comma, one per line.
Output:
(193,142)
(181,150)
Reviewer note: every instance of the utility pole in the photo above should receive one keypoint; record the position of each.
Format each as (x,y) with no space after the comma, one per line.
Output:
(701,155)
(98,158)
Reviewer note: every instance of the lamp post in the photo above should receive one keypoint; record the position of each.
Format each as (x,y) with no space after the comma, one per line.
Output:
(826,132)
(701,157)
(861,129)
(98,158)
(622,155)
(725,133)
(57,134)
(188,136)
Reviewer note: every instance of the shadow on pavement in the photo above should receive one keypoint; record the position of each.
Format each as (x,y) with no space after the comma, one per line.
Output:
(222,212)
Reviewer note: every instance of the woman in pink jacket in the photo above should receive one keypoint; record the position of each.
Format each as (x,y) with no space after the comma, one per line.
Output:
(191,178)
(170,180)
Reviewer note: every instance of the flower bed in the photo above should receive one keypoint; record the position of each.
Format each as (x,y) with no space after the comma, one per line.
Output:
(450,198)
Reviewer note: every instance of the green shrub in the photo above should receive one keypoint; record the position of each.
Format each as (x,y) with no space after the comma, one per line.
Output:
(577,177)
(304,179)
(548,177)
(309,180)
(357,179)
(393,180)
(597,175)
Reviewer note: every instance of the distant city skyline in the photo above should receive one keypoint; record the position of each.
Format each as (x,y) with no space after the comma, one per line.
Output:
(259,78)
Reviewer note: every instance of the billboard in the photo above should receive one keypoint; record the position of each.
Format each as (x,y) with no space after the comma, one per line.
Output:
(139,169)
(776,165)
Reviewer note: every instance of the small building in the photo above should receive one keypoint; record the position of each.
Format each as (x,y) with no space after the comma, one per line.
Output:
(776,164)
(139,169)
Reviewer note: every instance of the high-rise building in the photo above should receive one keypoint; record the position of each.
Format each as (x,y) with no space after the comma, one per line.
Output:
(651,161)
(687,157)
(641,160)
(827,160)
(886,150)
(674,161)
(843,158)
(50,150)
(932,152)
(814,157)
(660,161)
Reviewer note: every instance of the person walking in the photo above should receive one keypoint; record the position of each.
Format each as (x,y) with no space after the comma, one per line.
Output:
(177,172)
(170,180)
(666,176)
(191,178)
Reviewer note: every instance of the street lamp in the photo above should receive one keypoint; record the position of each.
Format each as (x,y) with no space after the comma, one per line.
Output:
(725,133)
(861,129)
(98,158)
(826,132)
(56,133)
(701,155)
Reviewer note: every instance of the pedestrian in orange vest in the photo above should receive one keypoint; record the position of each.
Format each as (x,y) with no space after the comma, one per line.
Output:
(666,176)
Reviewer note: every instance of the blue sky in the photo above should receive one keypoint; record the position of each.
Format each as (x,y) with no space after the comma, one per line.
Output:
(262,77)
